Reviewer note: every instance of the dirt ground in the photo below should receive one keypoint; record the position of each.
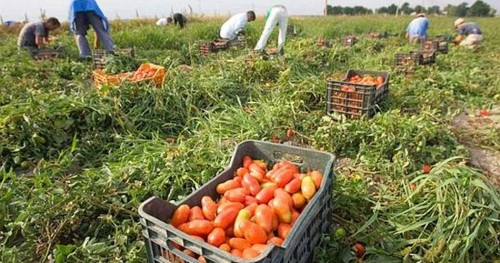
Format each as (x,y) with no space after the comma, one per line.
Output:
(469,128)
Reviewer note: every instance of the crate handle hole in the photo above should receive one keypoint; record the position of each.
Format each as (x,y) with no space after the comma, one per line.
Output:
(294,158)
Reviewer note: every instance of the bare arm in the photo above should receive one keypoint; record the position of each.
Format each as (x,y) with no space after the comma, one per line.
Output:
(40,40)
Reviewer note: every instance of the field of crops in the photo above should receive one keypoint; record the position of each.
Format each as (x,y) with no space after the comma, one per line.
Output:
(75,165)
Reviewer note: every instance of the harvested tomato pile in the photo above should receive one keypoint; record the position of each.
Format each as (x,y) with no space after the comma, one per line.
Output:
(366,80)
(257,208)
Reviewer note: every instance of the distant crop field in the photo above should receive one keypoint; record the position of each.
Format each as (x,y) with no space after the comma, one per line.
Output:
(76,161)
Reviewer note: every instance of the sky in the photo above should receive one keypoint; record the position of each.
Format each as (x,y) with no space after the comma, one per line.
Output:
(17,9)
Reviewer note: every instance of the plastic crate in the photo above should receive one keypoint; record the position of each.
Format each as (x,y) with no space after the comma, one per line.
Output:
(362,101)
(438,44)
(326,43)
(305,235)
(239,42)
(376,35)
(217,45)
(292,30)
(425,57)
(99,78)
(99,56)
(349,41)
(48,53)
(156,79)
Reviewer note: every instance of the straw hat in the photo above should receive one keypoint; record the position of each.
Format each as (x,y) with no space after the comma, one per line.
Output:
(459,22)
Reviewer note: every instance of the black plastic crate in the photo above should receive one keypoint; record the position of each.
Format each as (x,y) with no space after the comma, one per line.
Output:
(438,44)
(239,42)
(292,30)
(425,57)
(349,41)
(305,235)
(353,99)
(99,56)
(327,43)
(49,53)
(217,45)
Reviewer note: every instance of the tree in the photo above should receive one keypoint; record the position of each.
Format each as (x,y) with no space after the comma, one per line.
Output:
(450,10)
(461,10)
(348,11)
(419,9)
(479,8)
(406,9)
(392,9)
(382,10)
(335,10)
(433,10)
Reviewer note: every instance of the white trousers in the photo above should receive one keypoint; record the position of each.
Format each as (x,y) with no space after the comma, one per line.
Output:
(277,16)
(471,40)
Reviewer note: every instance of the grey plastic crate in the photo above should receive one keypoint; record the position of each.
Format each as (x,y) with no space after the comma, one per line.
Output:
(362,101)
(305,235)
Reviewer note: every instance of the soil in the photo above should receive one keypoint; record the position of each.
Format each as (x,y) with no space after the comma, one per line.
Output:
(467,128)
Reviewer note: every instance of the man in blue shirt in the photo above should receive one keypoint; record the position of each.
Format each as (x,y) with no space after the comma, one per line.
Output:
(417,29)
(82,15)
(471,30)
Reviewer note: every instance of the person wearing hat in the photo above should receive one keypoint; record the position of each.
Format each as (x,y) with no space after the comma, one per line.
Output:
(236,24)
(276,15)
(82,15)
(469,29)
(417,29)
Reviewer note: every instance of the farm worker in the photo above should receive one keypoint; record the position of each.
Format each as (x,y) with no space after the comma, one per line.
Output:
(82,15)
(235,25)
(276,15)
(36,34)
(163,21)
(471,30)
(179,19)
(417,29)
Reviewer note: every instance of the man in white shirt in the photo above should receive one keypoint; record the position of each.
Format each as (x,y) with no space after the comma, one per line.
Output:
(235,25)
(277,15)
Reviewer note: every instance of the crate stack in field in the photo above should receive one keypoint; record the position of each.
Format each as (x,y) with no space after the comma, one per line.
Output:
(165,243)
(99,56)
(354,100)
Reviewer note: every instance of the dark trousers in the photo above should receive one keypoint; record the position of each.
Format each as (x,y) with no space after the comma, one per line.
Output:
(83,21)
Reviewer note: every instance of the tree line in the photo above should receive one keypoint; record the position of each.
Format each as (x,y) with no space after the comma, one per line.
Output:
(478,8)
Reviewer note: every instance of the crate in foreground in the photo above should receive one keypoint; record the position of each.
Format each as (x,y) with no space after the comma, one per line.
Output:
(147,72)
(99,56)
(354,100)
(162,238)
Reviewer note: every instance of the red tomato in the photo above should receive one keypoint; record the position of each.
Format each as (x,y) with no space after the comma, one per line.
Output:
(196,213)
(228,204)
(199,227)
(251,184)
(317,178)
(239,243)
(236,195)
(264,217)
(266,194)
(226,217)
(217,237)
(247,160)
(208,207)
(426,168)
(181,215)
(293,186)
(284,230)
(227,185)
(250,253)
